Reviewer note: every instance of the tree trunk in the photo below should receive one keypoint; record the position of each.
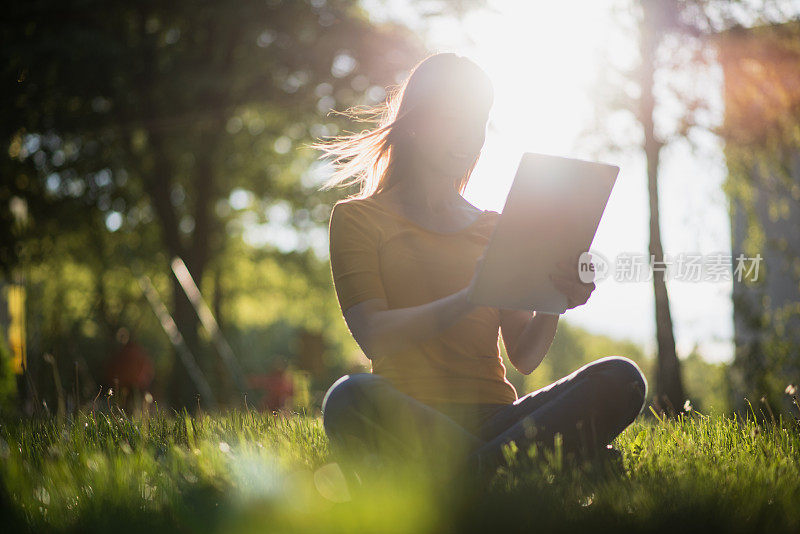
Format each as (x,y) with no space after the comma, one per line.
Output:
(669,394)
(182,391)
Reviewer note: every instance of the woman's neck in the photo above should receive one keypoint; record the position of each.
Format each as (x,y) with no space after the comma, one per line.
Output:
(432,193)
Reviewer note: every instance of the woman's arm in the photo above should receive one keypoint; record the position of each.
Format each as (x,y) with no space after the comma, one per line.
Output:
(527,337)
(382,332)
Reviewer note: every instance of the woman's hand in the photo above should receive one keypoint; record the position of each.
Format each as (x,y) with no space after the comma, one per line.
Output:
(568,282)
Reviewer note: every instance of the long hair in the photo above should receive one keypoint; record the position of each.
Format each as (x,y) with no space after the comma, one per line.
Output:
(372,157)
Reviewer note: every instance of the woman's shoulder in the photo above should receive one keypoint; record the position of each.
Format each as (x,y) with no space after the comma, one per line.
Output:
(355,212)
(355,201)
(360,207)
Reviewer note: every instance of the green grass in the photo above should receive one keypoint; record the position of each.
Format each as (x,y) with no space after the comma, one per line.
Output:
(251,472)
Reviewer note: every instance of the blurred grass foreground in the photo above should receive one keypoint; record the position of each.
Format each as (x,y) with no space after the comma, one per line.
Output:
(247,471)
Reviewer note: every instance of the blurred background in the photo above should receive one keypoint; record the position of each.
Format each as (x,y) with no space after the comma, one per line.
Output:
(163,238)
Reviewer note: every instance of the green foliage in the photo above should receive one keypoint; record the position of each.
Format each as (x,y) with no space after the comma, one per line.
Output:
(8,383)
(136,132)
(762,137)
(246,472)
(707,384)
(572,348)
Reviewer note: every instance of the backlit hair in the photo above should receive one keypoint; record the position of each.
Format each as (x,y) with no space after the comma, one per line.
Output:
(371,157)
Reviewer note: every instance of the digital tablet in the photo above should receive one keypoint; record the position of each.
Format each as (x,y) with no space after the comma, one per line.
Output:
(551,213)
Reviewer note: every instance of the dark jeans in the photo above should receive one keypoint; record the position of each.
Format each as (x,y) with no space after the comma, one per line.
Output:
(366,417)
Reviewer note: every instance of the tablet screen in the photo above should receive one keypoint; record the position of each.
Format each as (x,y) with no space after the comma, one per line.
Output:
(551,213)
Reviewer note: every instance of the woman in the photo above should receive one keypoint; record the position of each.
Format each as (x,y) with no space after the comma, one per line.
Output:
(403,253)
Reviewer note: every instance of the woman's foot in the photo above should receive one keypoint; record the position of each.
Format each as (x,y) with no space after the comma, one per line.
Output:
(608,461)
(472,478)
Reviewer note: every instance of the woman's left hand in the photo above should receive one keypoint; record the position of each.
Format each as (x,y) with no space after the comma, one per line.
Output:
(568,282)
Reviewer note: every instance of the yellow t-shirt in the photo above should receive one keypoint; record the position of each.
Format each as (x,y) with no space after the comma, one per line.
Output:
(376,253)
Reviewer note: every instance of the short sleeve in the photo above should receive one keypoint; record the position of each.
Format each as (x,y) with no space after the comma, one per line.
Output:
(355,265)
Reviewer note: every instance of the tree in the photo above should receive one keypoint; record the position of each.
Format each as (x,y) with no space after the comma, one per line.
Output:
(762,96)
(674,38)
(655,20)
(633,90)
(149,115)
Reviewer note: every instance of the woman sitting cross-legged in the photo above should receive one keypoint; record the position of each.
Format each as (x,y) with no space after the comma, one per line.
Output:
(404,253)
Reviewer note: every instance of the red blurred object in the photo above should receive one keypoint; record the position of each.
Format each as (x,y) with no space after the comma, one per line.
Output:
(131,367)
(278,388)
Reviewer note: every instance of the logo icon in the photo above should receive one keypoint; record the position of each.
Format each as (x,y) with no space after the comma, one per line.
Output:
(592,267)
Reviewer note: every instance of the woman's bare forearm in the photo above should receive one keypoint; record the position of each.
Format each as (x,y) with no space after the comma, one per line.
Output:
(534,342)
(397,329)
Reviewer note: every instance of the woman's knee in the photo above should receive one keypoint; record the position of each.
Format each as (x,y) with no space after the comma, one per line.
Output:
(345,395)
(624,375)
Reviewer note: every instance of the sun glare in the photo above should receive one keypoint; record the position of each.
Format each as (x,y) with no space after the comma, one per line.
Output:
(544,58)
